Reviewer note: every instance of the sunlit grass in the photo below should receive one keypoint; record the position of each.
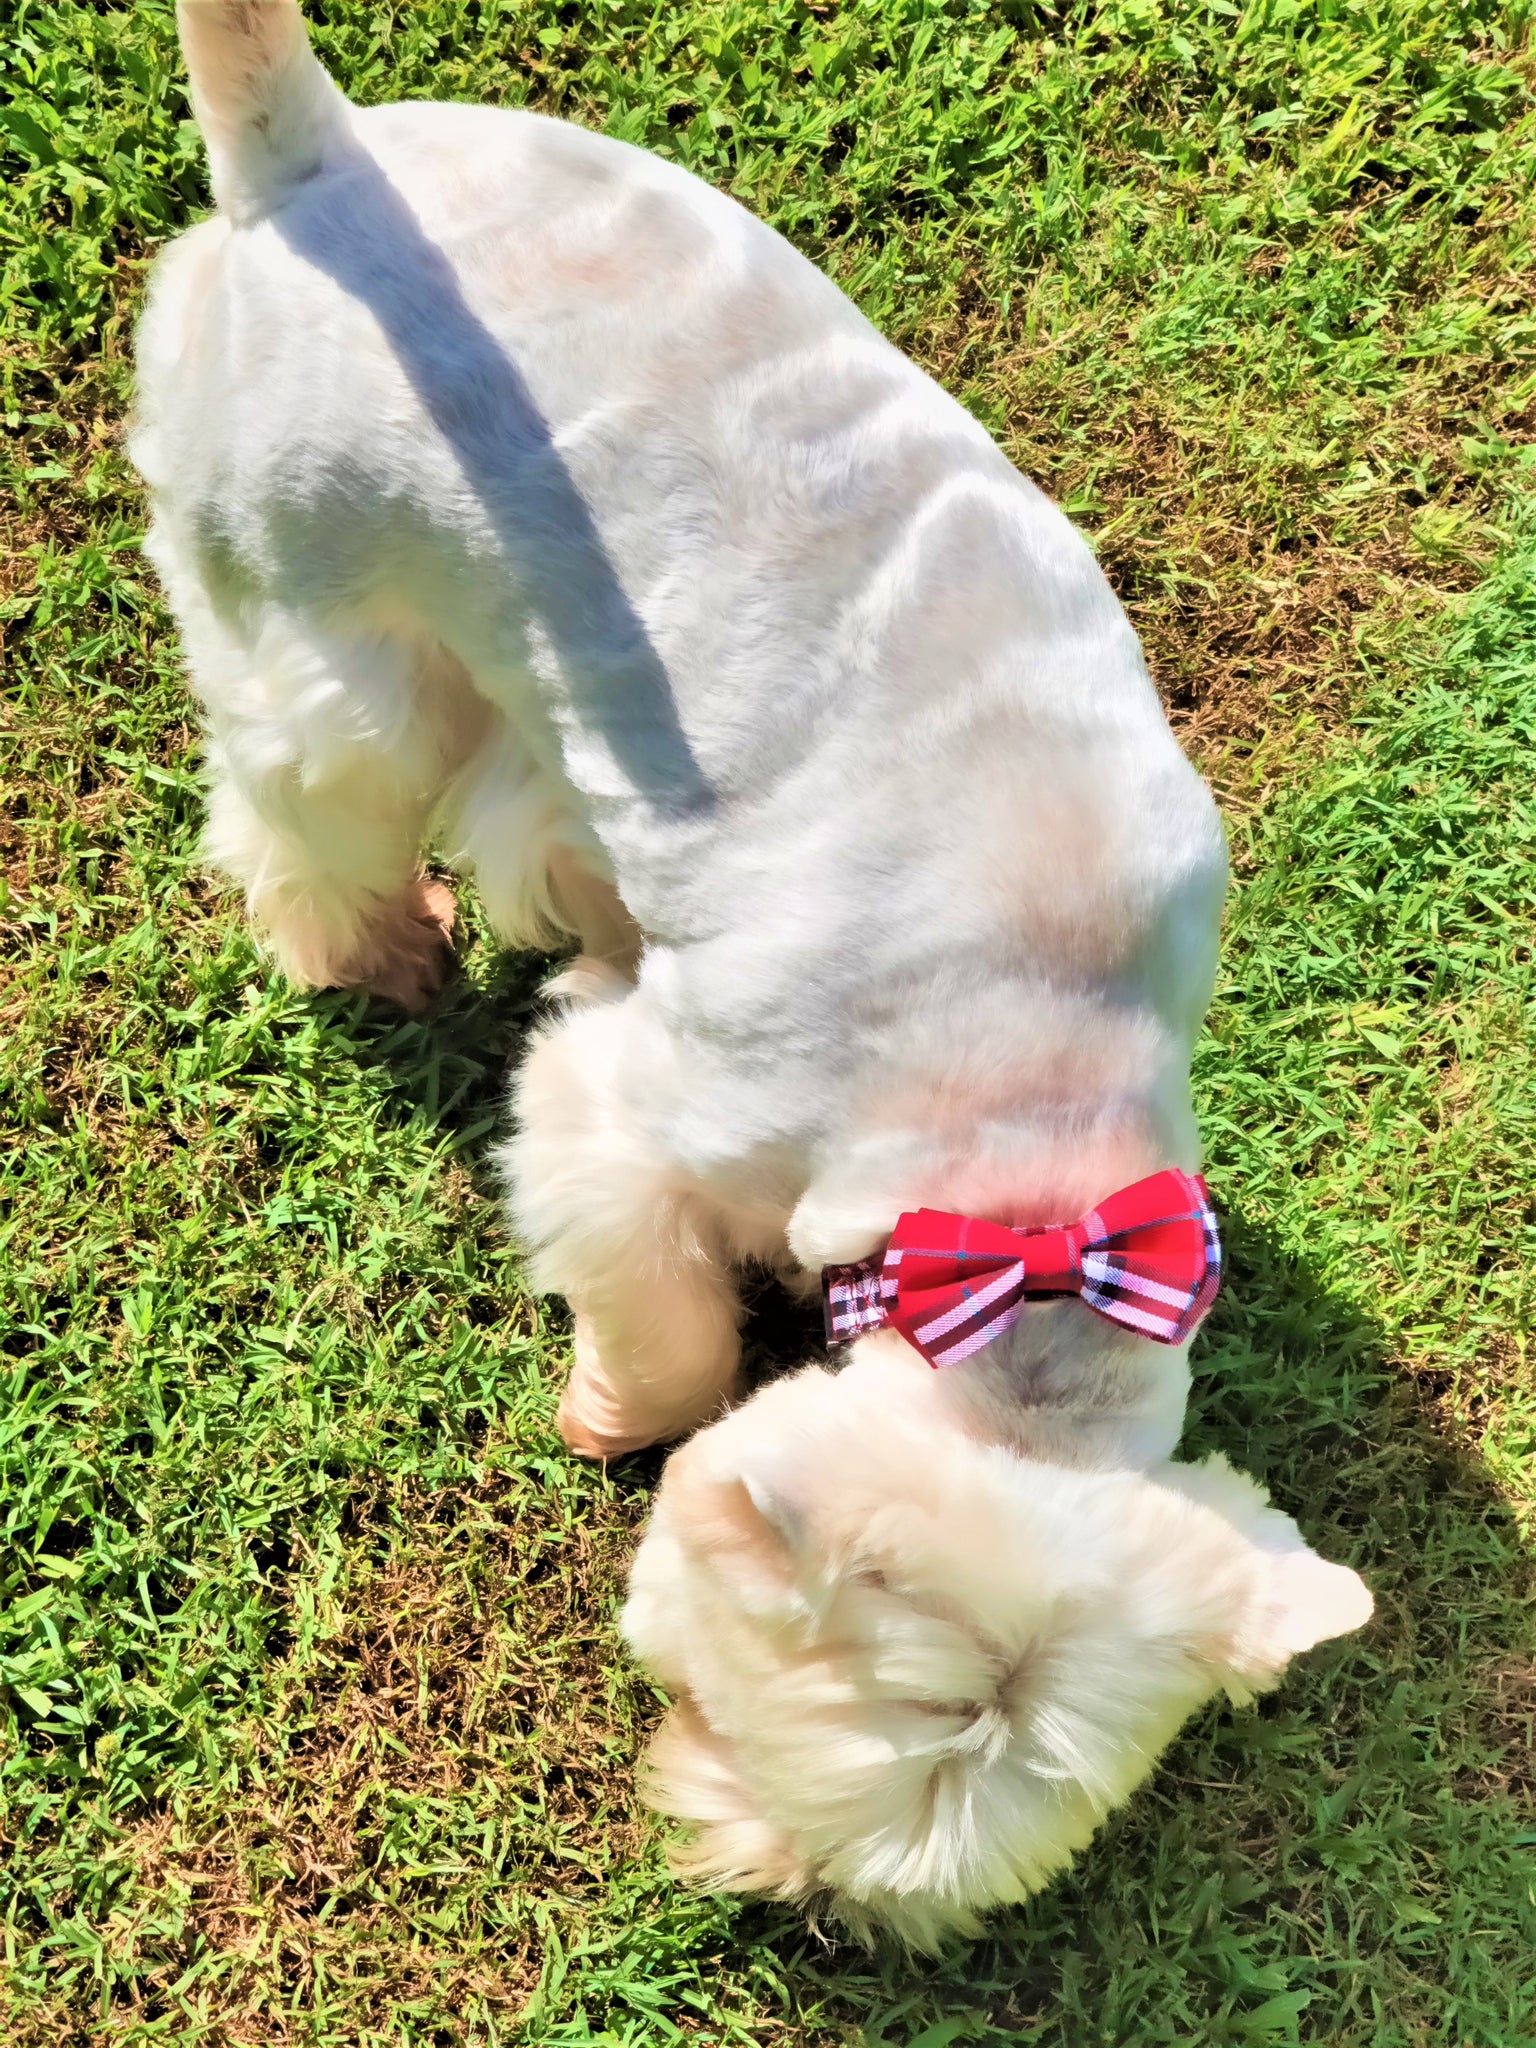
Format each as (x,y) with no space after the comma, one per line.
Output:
(314,1727)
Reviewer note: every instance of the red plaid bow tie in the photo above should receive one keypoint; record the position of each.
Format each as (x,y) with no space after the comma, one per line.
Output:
(1148,1258)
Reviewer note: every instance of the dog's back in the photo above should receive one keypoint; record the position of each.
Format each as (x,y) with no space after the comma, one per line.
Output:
(576,506)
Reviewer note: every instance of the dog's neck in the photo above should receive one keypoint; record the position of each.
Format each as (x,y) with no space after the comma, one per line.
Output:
(1024,1105)
(1046,1177)
(1021,1170)
(1061,1384)
(1041,1146)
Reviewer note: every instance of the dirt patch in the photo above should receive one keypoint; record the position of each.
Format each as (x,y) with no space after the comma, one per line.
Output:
(456,1731)
(1264,556)
(1251,626)
(1507,1724)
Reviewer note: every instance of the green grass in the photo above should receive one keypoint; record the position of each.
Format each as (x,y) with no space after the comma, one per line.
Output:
(314,1728)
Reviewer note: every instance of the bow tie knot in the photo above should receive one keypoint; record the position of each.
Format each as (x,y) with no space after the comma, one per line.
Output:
(1147,1259)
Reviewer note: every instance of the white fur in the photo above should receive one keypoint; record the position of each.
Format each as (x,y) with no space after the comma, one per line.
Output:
(510,484)
(913,1671)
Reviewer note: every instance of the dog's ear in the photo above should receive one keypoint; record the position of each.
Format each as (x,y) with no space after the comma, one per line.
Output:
(746,1515)
(768,1479)
(1302,1601)
(1291,1598)
(693,1773)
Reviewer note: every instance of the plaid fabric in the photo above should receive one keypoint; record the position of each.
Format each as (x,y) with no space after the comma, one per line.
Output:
(1148,1258)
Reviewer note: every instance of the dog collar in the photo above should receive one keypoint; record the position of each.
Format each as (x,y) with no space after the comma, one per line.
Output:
(1147,1258)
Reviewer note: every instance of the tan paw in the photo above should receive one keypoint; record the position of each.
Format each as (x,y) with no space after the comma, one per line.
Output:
(589,1438)
(413,945)
(600,1420)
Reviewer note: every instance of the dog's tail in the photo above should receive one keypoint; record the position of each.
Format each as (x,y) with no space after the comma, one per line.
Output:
(269,113)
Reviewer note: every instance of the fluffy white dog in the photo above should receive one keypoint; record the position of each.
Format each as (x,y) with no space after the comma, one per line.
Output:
(507,482)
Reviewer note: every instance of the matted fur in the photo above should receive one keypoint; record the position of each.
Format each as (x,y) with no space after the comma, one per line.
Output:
(509,484)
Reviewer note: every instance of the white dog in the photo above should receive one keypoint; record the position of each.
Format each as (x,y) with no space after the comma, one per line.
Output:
(508,482)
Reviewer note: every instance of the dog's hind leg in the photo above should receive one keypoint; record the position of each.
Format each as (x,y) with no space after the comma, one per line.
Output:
(540,872)
(615,1226)
(328,753)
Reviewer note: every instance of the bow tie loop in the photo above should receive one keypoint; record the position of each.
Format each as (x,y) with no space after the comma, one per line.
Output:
(1147,1259)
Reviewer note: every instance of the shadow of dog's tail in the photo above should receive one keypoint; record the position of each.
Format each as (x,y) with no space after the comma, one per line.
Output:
(269,113)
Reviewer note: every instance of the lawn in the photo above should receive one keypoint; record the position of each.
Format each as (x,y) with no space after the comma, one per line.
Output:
(314,1726)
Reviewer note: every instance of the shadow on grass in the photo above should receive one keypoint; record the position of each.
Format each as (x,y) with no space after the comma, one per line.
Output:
(451,1065)
(1356,1845)
(1347,1848)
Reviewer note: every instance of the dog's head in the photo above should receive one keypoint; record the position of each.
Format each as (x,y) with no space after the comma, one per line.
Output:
(913,1672)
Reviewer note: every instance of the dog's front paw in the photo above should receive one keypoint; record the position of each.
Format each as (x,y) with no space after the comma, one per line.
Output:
(608,1414)
(593,1425)
(585,1441)
(414,947)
